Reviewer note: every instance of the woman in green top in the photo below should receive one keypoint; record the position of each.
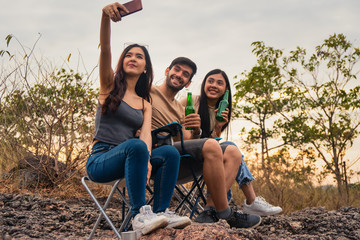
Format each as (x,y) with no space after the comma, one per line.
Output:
(206,105)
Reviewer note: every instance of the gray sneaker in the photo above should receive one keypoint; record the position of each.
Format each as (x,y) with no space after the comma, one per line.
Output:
(242,220)
(207,216)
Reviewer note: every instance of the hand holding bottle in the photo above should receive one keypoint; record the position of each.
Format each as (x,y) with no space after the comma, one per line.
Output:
(222,107)
(193,122)
(224,116)
(218,124)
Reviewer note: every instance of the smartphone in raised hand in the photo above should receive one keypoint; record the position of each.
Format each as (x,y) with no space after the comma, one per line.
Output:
(133,7)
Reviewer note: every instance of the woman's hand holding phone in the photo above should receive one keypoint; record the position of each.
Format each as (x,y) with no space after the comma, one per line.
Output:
(132,7)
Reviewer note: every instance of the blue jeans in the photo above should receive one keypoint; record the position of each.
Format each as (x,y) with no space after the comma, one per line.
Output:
(243,176)
(129,160)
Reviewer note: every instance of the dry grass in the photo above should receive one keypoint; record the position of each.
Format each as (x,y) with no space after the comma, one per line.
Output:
(291,197)
(298,197)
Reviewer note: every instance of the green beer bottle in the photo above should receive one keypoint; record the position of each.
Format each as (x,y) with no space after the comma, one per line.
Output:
(222,106)
(189,109)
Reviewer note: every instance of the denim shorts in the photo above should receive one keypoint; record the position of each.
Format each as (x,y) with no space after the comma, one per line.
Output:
(244,175)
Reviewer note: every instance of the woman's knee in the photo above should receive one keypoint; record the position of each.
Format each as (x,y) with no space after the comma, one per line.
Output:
(136,151)
(168,153)
(136,142)
(233,153)
(137,145)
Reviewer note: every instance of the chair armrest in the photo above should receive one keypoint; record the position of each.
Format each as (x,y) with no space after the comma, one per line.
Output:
(163,135)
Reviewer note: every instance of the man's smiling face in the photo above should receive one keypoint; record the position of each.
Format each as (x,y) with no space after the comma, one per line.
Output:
(178,76)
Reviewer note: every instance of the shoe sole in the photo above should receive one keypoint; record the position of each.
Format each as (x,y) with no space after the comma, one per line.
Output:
(256,224)
(263,214)
(161,223)
(253,226)
(179,224)
(206,223)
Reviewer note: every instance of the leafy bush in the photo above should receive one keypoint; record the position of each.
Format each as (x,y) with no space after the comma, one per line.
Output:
(47,112)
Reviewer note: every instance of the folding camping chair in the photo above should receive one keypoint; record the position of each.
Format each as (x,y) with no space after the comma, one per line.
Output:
(189,198)
(119,187)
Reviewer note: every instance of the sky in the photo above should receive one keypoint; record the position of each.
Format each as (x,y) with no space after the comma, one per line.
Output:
(215,34)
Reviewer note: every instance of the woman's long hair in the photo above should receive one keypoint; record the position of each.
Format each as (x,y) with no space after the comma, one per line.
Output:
(142,87)
(203,104)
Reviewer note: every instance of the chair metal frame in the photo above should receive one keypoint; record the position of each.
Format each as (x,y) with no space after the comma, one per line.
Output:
(116,187)
(189,198)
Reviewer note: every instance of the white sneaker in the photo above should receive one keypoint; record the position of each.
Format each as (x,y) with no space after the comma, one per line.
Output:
(175,221)
(261,207)
(146,221)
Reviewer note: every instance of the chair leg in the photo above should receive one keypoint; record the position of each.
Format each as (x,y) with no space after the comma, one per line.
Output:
(102,209)
(197,204)
(186,198)
(185,207)
(148,188)
(190,199)
(194,200)
(125,222)
(125,204)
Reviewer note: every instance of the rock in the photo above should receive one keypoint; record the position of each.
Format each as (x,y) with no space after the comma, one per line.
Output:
(218,230)
(30,172)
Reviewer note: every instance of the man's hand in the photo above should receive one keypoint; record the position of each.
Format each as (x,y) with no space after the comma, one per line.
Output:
(193,121)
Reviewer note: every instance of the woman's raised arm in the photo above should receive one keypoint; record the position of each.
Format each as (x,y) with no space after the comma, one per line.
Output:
(106,73)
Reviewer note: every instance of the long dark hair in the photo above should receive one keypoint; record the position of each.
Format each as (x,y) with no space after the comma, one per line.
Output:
(203,104)
(142,87)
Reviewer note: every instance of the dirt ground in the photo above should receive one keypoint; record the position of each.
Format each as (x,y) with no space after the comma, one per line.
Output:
(32,217)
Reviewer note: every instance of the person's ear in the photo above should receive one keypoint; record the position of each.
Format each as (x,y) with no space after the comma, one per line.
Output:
(167,71)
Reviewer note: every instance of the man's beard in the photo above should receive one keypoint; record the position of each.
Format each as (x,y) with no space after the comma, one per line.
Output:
(170,86)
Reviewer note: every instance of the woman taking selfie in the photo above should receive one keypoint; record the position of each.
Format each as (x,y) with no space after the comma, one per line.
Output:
(123,109)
